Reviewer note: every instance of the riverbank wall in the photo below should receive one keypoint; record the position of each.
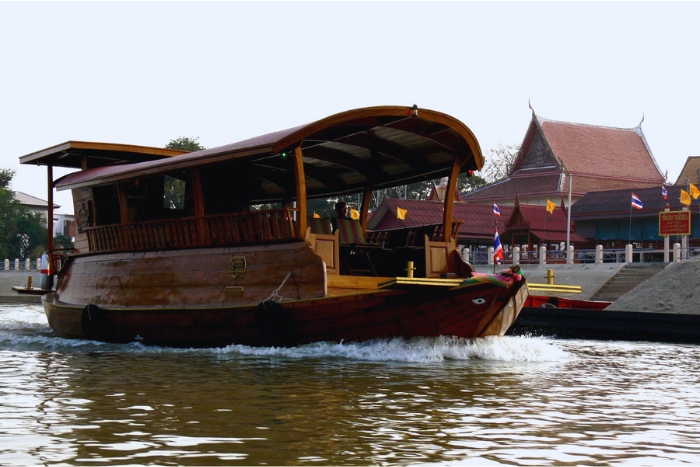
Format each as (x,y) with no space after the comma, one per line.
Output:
(9,279)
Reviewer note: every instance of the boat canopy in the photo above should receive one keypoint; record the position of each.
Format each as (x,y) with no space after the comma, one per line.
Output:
(377,147)
(77,154)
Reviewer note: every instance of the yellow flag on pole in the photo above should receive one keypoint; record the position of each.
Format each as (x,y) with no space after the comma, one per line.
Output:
(550,206)
(401,213)
(694,191)
(685,197)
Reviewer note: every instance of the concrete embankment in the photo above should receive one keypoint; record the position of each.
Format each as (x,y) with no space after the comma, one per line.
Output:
(9,279)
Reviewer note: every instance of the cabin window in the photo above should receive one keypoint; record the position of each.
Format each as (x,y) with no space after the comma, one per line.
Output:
(226,188)
(174,193)
(159,197)
(107,209)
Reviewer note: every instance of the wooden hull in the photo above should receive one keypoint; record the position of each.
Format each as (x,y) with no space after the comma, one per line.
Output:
(106,308)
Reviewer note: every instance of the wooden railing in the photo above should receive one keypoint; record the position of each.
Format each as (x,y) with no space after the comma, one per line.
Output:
(226,229)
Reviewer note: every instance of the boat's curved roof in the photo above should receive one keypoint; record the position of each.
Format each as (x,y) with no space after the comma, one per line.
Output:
(384,146)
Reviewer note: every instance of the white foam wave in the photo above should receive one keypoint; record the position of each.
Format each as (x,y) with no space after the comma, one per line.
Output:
(418,350)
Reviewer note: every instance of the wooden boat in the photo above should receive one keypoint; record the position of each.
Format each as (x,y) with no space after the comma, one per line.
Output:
(216,247)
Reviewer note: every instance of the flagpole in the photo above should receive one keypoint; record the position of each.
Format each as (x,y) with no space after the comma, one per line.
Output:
(545,220)
(495,229)
(629,233)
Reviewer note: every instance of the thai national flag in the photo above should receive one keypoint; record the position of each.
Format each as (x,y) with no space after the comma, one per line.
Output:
(636,202)
(497,249)
(496,211)
(664,193)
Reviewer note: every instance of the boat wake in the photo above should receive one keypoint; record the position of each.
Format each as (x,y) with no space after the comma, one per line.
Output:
(24,328)
(419,350)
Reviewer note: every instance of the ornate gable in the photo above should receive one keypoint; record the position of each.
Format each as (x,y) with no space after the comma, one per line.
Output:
(539,154)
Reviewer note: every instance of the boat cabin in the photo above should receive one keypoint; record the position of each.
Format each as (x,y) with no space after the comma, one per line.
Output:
(255,192)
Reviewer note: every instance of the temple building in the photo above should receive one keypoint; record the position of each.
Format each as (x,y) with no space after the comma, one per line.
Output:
(593,158)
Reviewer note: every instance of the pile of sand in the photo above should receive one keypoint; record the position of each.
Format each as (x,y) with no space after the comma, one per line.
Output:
(675,289)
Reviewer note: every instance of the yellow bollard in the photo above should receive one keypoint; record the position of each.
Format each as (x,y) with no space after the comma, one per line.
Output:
(550,276)
(410,269)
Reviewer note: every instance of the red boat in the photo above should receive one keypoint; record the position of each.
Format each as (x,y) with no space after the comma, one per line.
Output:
(218,246)
(540,301)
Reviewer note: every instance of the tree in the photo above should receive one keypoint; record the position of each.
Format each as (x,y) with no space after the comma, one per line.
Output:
(499,163)
(467,183)
(63,242)
(21,231)
(184,143)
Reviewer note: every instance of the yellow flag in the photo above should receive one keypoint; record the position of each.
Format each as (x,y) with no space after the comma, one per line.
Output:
(550,206)
(694,192)
(401,213)
(685,197)
(316,216)
(355,214)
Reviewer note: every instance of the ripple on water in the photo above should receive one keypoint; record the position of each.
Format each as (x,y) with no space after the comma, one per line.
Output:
(509,400)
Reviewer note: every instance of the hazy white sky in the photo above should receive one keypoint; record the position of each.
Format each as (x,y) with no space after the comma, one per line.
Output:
(146,73)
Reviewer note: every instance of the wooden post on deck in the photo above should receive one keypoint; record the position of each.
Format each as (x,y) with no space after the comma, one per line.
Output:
(364,209)
(49,220)
(198,199)
(301,192)
(450,199)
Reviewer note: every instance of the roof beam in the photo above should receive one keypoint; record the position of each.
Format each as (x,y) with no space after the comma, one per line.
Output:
(442,137)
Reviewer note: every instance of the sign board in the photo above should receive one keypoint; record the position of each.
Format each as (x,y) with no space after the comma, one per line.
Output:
(674,223)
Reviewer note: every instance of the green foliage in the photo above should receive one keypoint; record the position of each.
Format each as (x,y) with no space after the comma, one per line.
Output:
(174,193)
(184,143)
(467,183)
(6,177)
(62,242)
(32,234)
(21,231)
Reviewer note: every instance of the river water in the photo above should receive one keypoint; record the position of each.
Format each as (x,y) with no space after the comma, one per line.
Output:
(511,400)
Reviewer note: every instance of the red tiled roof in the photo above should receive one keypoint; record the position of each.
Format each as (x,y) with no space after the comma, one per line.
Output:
(541,223)
(506,189)
(538,218)
(610,152)
(691,171)
(599,158)
(546,186)
(478,219)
